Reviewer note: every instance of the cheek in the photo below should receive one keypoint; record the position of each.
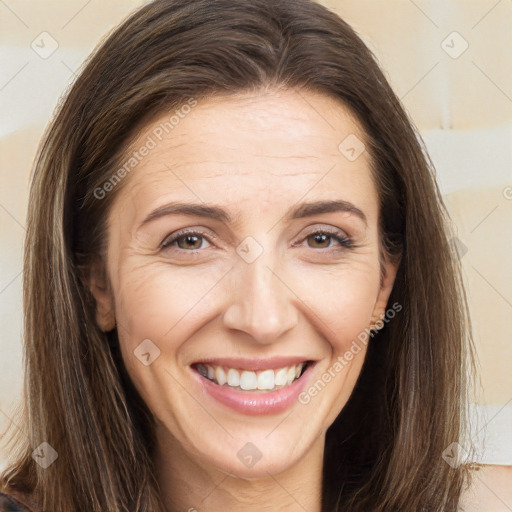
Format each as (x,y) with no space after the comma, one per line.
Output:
(168,305)
(155,300)
(340,300)
(153,310)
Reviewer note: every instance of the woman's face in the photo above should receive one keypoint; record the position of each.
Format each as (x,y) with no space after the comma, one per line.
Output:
(280,266)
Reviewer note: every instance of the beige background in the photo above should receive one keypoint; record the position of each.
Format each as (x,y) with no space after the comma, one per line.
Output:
(462,106)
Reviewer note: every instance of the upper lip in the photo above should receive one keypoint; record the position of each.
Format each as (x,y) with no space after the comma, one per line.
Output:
(245,363)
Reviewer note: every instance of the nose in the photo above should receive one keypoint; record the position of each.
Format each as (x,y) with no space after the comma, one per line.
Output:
(261,302)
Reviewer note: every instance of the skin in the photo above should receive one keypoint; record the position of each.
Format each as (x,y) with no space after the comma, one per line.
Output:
(490,490)
(256,155)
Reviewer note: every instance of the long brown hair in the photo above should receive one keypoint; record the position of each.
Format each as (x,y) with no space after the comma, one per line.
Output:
(384,451)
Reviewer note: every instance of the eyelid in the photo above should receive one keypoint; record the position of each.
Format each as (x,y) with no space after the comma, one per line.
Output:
(328,229)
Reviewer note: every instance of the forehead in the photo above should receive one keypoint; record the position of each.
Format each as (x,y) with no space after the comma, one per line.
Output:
(248,147)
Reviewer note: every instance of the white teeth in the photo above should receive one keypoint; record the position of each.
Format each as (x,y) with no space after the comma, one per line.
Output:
(220,376)
(250,380)
(233,377)
(266,379)
(280,378)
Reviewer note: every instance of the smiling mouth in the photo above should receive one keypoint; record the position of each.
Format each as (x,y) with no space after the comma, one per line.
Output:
(247,380)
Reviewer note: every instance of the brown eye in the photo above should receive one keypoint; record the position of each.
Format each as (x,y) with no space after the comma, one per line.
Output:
(186,241)
(322,239)
(189,242)
(319,240)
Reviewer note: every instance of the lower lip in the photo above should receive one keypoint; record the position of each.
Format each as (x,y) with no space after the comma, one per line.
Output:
(248,402)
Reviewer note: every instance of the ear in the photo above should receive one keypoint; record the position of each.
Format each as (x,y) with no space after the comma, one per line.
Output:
(100,288)
(390,269)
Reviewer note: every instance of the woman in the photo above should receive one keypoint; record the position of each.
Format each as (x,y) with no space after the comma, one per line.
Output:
(239,290)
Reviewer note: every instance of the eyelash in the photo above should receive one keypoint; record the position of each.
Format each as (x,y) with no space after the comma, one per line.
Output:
(344,241)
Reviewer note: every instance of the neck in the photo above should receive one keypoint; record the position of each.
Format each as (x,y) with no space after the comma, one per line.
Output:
(189,484)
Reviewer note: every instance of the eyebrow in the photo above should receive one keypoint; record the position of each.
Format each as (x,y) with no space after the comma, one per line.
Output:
(307,209)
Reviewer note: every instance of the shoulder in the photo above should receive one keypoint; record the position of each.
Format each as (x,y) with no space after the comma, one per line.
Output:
(9,503)
(490,489)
